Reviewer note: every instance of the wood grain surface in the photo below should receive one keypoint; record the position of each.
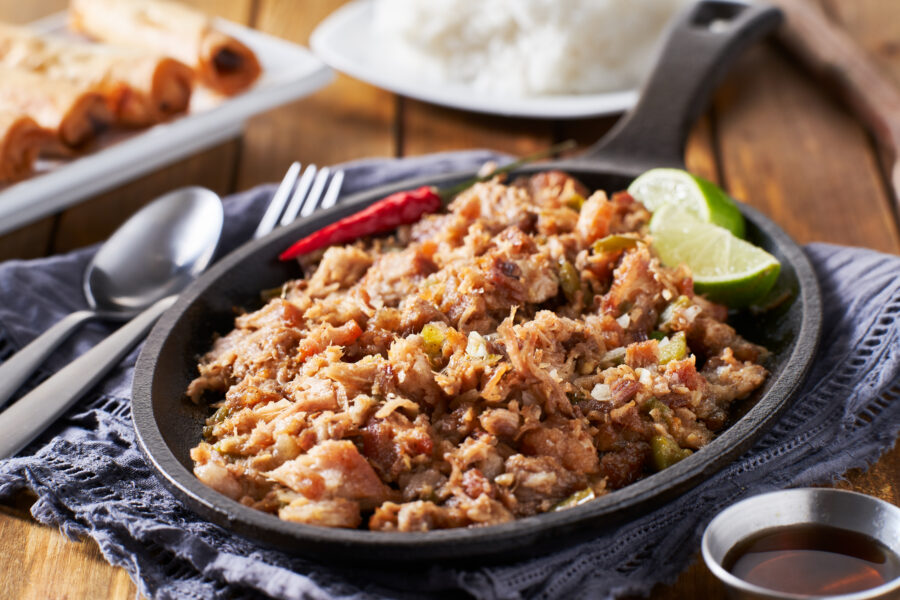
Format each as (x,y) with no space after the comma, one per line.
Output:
(774,137)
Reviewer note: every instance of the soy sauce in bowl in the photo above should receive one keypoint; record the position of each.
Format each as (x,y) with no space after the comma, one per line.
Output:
(806,543)
(812,559)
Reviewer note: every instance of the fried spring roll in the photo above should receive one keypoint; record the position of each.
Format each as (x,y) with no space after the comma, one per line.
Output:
(74,113)
(21,139)
(221,62)
(141,89)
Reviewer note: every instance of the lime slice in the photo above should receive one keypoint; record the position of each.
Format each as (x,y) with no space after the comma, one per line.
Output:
(726,268)
(703,198)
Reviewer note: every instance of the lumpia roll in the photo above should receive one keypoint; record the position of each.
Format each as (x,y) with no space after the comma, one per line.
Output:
(140,88)
(221,62)
(74,113)
(21,139)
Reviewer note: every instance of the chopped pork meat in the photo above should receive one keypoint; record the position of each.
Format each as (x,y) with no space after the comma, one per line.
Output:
(483,365)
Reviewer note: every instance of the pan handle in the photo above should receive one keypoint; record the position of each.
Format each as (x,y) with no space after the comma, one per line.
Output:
(701,45)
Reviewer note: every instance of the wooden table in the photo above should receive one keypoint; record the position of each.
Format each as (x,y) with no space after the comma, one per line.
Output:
(772,137)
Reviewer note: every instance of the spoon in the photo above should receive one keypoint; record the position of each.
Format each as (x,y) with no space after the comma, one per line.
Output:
(153,255)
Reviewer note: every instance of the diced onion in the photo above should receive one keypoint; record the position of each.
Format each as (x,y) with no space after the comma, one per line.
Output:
(624,321)
(601,392)
(644,376)
(476,347)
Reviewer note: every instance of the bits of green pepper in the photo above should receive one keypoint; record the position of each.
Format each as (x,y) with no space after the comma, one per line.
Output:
(568,279)
(575,202)
(614,243)
(579,497)
(217,417)
(223,413)
(666,452)
(661,410)
(673,348)
(434,340)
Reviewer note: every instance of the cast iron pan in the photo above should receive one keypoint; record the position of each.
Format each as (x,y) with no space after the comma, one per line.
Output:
(701,44)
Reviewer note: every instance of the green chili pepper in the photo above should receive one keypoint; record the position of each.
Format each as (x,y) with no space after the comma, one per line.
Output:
(666,452)
(434,340)
(614,243)
(217,417)
(673,348)
(220,415)
(576,396)
(664,412)
(579,497)
(568,279)
(575,202)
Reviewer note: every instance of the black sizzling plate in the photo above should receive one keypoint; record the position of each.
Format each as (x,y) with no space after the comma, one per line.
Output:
(168,425)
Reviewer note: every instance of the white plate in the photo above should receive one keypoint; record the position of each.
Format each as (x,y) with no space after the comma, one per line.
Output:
(289,72)
(344,40)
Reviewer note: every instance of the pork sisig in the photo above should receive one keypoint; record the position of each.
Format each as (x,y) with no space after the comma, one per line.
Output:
(523,352)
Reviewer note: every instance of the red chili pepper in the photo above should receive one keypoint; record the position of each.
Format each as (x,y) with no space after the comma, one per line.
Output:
(401,208)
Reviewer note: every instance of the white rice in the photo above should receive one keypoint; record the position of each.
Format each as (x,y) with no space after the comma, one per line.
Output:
(524,47)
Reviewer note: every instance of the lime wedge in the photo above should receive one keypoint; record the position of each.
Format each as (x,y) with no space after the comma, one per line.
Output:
(726,268)
(702,198)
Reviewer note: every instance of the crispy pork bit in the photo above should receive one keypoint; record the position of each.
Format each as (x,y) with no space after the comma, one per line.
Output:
(494,365)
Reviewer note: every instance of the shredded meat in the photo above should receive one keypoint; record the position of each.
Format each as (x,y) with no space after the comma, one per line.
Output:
(480,366)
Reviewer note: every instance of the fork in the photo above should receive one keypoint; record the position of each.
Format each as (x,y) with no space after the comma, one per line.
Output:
(306,197)
(27,418)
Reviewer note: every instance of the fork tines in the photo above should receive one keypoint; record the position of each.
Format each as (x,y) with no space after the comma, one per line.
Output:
(306,193)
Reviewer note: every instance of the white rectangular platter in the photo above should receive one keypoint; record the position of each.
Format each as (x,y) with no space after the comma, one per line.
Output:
(289,72)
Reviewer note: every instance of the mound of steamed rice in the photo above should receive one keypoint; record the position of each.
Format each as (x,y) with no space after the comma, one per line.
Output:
(524,47)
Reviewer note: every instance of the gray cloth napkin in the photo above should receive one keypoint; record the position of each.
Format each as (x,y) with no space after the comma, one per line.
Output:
(91,480)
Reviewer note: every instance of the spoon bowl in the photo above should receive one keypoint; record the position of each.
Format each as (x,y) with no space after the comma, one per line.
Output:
(154,254)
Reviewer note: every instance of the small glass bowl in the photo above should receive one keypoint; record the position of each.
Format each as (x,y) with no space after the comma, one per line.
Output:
(817,506)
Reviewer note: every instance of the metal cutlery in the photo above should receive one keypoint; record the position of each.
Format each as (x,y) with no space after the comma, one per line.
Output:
(27,418)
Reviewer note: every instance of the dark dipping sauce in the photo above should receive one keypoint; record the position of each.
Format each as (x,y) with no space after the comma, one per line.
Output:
(814,560)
